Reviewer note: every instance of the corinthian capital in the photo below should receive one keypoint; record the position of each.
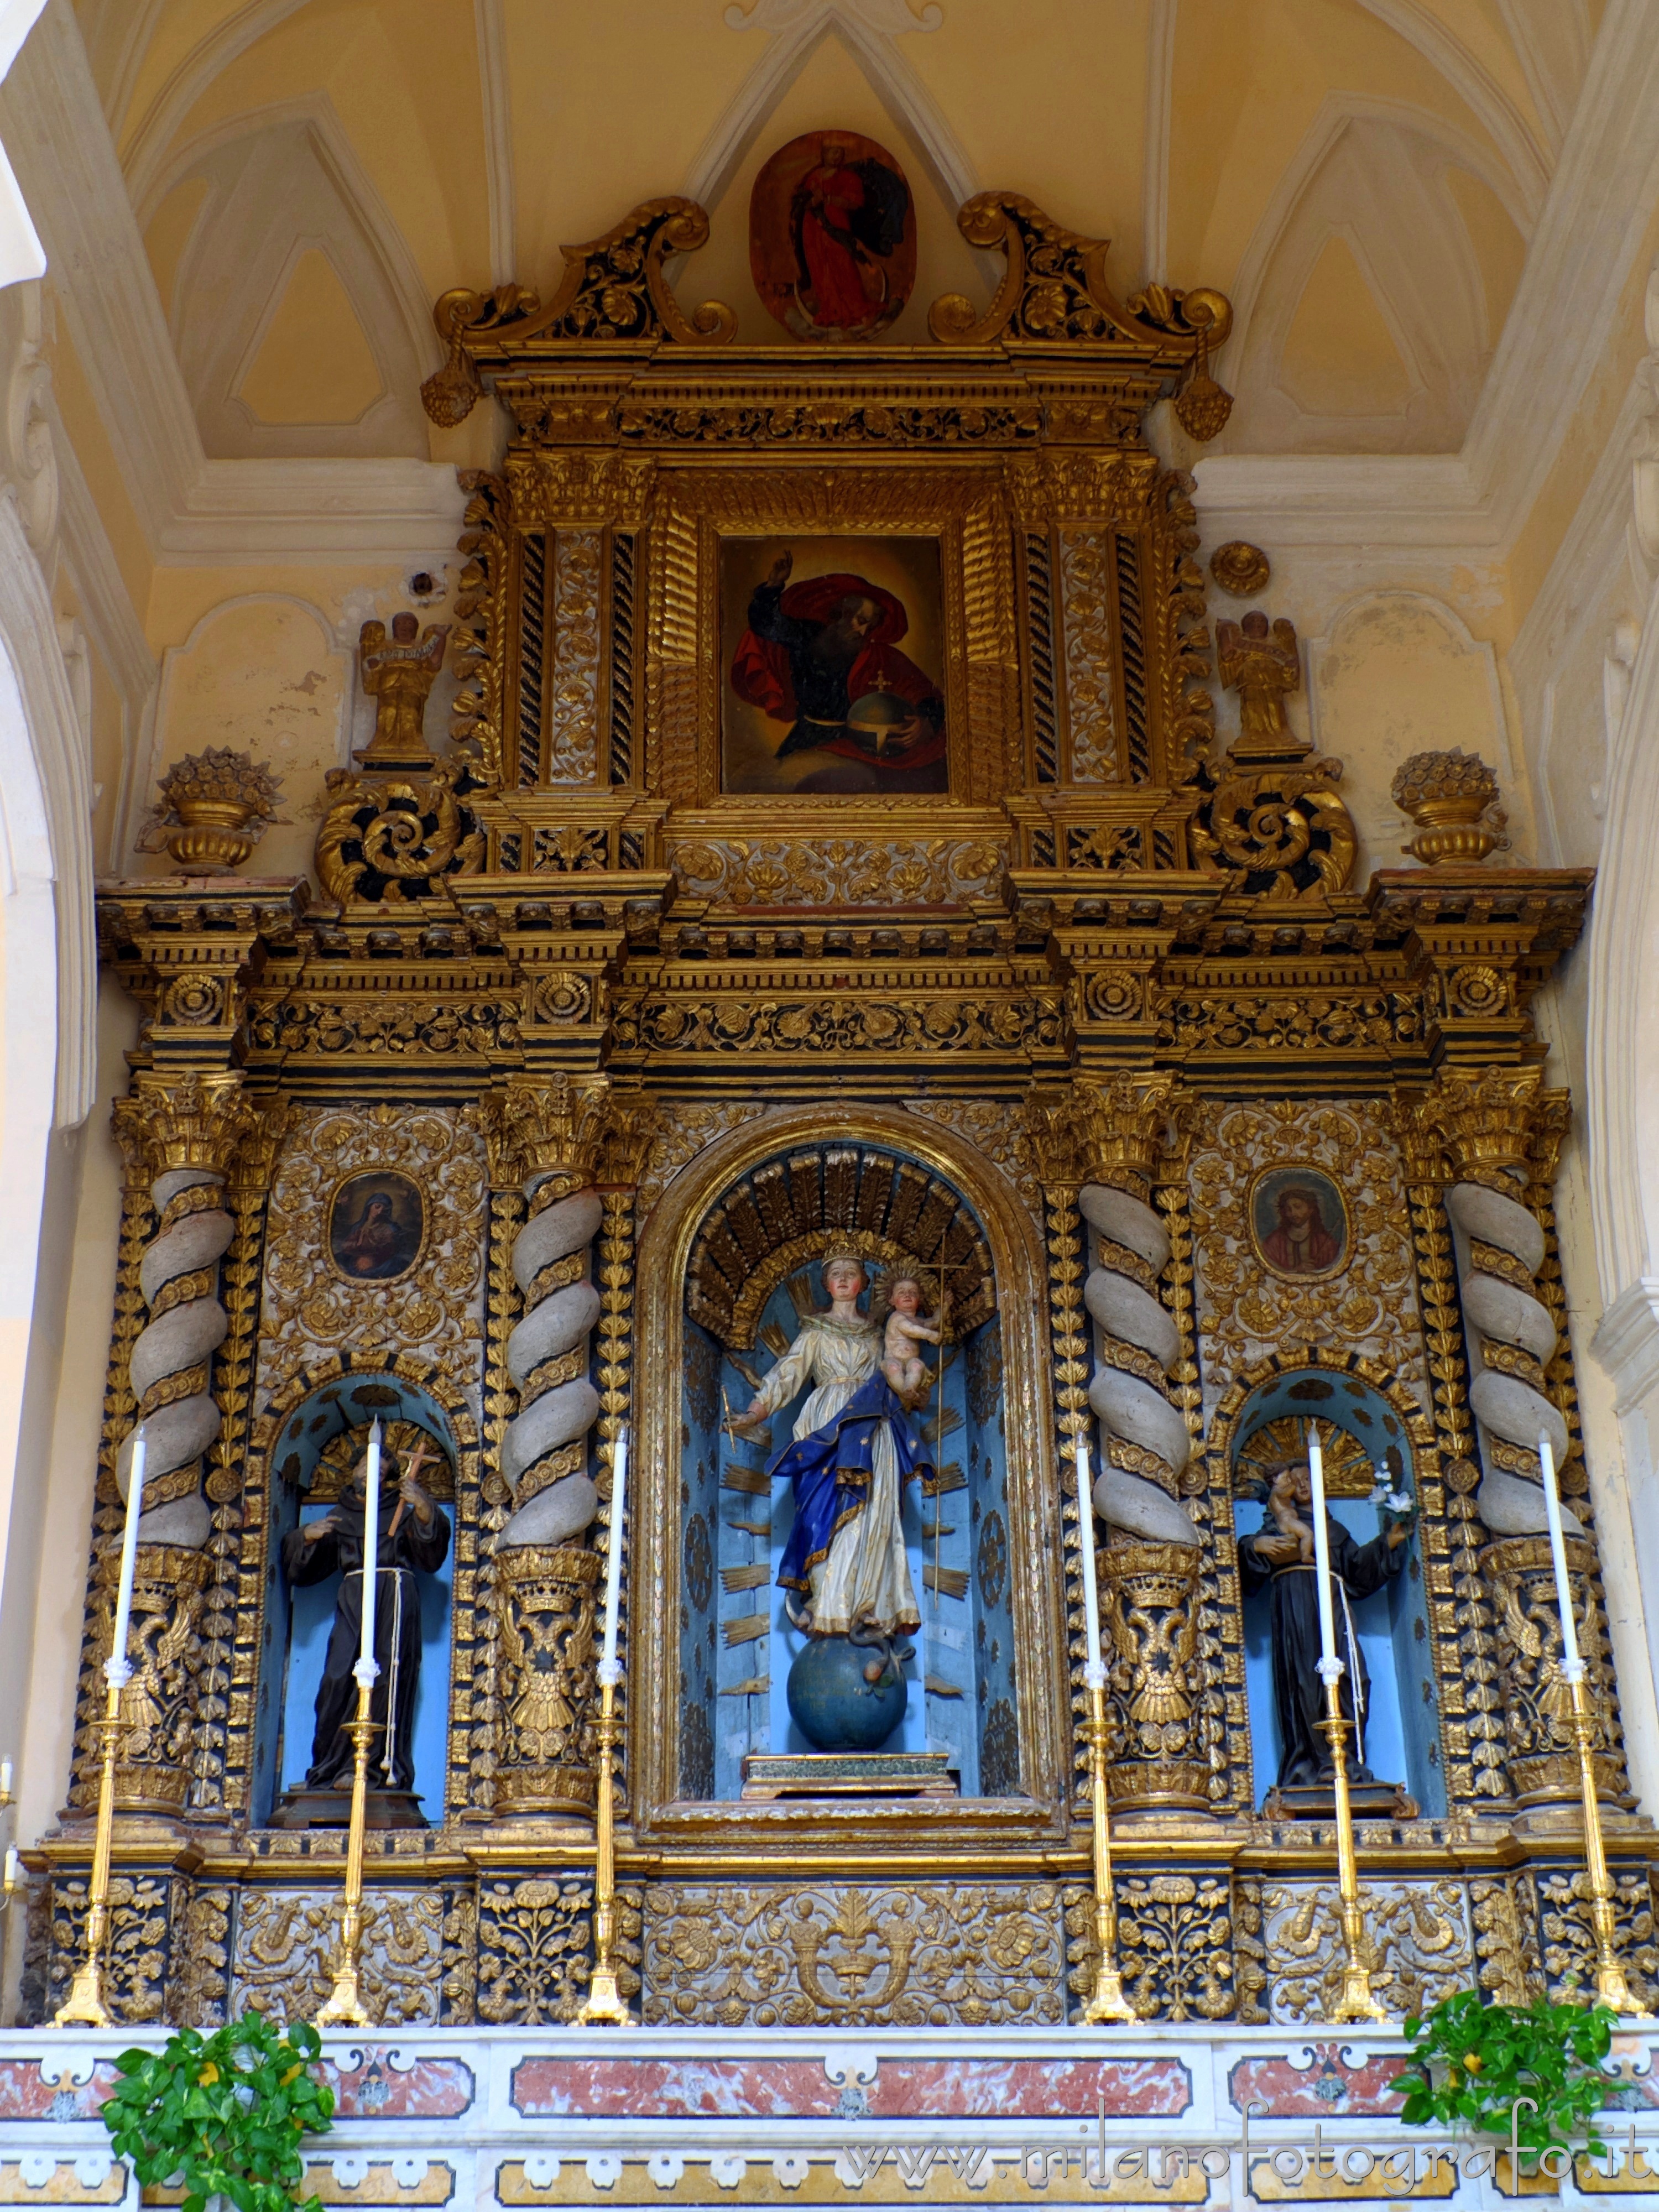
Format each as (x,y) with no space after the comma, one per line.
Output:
(1498,1126)
(535,1128)
(1126,1132)
(190,1122)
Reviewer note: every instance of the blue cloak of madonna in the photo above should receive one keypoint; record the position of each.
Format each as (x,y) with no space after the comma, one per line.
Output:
(831,1471)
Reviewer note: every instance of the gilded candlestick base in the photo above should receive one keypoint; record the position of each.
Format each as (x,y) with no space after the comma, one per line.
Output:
(1110,2001)
(84,2006)
(1612,1988)
(1356,2000)
(345,2007)
(605,2006)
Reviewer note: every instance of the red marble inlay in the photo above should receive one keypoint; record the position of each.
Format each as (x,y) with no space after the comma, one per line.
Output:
(26,2094)
(1329,2085)
(1029,2088)
(377,2088)
(782,2089)
(664,2089)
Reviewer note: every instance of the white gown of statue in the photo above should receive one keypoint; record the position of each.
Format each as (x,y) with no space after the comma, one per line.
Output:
(866,1574)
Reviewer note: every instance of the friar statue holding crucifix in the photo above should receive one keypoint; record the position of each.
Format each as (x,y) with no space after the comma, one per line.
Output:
(413,1538)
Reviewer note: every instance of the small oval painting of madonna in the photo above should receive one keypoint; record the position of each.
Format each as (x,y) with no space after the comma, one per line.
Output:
(376,1226)
(1298,1223)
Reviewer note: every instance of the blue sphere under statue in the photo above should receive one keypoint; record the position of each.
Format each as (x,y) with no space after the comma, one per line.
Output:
(835,1706)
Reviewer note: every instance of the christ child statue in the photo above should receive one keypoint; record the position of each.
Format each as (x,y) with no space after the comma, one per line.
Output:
(907,1327)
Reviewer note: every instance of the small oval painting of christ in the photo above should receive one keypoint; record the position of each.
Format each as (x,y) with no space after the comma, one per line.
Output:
(1298,1223)
(376,1225)
(832,236)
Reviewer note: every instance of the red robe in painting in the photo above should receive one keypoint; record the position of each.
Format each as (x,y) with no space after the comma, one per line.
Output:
(832,197)
(771,673)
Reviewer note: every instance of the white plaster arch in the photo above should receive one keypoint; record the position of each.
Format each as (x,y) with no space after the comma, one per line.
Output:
(138,799)
(870,30)
(1446,352)
(1456,628)
(242,248)
(213,53)
(45,792)
(1476,87)
(1347,717)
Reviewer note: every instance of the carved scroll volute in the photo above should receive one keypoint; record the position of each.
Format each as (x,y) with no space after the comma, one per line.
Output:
(1054,292)
(613,290)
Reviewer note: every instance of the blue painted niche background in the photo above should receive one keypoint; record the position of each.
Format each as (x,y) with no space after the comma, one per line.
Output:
(1402,1729)
(297,1621)
(735,1525)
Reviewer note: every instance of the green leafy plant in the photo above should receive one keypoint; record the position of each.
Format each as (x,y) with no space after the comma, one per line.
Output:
(1473,2061)
(223,2113)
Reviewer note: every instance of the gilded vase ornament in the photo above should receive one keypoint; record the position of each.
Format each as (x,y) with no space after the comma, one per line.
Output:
(1452,798)
(213,809)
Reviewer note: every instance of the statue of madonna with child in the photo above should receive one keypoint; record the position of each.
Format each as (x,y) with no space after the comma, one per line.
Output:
(844,1571)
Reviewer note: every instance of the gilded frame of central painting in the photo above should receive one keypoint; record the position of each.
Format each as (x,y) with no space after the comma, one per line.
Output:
(699,512)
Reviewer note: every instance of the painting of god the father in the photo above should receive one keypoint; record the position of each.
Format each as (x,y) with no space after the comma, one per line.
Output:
(820,697)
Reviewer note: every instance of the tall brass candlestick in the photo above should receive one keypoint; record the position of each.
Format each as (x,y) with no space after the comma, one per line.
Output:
(1110,2001)
(84,2006)
(345,2005)
(1611,1987)
(1356,2001)
(604,2007)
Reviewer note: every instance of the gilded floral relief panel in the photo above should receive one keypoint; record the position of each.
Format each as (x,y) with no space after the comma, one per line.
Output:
(377,1222)
(1302,1234)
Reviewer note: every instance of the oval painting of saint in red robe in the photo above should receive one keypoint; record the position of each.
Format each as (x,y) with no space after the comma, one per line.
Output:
(832,236)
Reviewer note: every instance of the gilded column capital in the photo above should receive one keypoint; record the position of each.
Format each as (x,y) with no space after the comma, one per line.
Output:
(556,1127)
(1132,1131)
(191,1121)
(1497,1126)
(632,1129)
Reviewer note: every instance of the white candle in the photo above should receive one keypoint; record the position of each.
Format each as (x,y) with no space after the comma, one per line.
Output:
(366,1668)
(1086,1524)
(14,1875)
(5,1778)
(609,1670)
(1572,1667)
(117,1672)
(1321,1547)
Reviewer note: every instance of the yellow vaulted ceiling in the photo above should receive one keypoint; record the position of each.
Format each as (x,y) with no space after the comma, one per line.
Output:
(1362,176)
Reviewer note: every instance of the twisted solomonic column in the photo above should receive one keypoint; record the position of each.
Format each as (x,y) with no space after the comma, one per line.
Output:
(1137,1344)
(544,1139)
(185,1136)
(181,1139)
(1114,1140)
(1493,1139)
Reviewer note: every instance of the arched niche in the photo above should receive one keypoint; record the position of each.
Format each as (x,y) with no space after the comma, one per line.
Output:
(319,1442)
(732,1246)
(1363,1425)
